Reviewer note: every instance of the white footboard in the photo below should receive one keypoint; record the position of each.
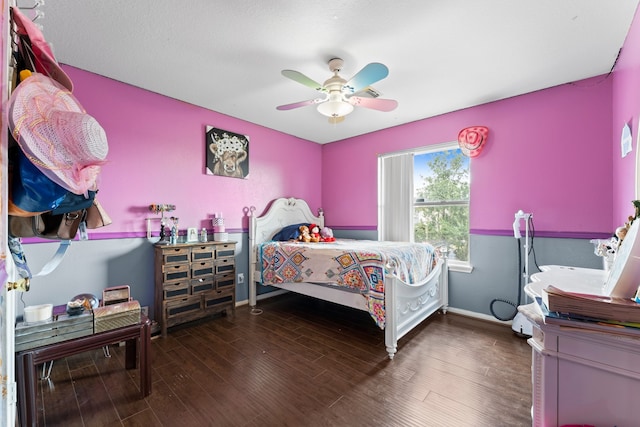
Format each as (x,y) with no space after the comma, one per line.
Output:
(407,305)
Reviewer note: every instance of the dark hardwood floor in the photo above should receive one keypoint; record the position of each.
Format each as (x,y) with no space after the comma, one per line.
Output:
(302,362)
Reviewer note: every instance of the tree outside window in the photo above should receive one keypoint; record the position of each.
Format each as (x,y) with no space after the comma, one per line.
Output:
(441,201)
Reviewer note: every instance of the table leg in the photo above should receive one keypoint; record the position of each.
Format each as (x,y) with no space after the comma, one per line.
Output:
(130,353)
(145,359)
(27,384)
(140,347)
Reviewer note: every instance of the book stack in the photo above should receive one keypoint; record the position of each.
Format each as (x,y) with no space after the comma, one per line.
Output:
(588,311)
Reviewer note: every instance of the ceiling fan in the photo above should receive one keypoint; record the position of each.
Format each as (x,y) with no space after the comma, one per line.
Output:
(340,95)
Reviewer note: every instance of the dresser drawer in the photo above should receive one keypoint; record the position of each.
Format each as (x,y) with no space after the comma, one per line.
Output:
(176,272)
(178,307)
(213,300)
(202,253)
(227,250)
(226,281)
(619,351)
(225,265)
(175,255)
(176,289)
(202,285)
(201,269)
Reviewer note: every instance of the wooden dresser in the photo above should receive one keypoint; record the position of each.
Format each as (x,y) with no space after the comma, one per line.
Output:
(193,280)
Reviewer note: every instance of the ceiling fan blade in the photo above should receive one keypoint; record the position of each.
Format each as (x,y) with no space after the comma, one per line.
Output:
(370,74)
(374,103)
(300,104)
(301,78)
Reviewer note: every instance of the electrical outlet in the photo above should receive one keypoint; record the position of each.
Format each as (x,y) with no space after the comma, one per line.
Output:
(145,310)
(240,277)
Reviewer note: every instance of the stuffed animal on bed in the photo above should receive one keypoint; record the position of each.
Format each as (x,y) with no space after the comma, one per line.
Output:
(314,231)
(304,236)
(326,235)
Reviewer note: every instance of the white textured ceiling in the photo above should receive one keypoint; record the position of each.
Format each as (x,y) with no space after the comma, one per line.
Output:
(443,55)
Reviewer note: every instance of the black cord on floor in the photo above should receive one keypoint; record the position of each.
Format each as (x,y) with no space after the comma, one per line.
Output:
(515,306)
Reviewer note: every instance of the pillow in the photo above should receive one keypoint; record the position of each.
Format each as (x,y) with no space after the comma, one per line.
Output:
(290,232)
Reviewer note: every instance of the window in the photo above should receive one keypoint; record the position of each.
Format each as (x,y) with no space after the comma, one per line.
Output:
(441,200)
(424,197)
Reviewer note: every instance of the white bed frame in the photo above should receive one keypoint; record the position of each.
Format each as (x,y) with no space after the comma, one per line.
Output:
(406,305)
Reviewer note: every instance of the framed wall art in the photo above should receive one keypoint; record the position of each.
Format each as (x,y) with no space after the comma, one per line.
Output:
(227,153)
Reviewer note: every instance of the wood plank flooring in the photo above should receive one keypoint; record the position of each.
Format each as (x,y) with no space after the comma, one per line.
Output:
(302,362)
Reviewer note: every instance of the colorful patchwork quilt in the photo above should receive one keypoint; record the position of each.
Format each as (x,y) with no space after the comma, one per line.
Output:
(360,265)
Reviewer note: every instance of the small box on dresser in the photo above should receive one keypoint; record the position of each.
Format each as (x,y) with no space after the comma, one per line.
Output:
(193,280)
(115,316)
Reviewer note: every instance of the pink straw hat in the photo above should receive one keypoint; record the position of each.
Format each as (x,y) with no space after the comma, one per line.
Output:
(472,140)
(44,61)
(56,134)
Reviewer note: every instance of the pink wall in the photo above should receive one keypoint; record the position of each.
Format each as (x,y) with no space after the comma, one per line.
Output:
(157,155)
(626,109)
(548,153)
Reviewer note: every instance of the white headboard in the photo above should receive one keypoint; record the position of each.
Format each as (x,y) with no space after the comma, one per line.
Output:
(281,212)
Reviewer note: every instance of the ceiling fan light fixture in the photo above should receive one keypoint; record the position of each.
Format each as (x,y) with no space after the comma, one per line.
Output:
(341,96)
(335,106)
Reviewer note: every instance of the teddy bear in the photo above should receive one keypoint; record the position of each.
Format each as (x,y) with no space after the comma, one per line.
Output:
(304,234)
(314,231)
(326,235)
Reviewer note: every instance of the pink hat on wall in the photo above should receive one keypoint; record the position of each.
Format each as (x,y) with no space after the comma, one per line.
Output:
(472,140)
(56,134)
(40,51)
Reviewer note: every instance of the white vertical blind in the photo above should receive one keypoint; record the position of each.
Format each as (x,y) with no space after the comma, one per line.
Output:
(395,197)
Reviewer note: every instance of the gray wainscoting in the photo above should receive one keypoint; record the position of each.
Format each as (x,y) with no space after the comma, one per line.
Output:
(495,272)
(93,265)
(495,268)
(90,266)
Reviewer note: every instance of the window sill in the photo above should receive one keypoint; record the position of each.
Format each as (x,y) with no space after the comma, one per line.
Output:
(459,266)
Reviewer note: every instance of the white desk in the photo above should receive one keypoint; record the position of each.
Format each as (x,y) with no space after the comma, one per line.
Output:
(579,376)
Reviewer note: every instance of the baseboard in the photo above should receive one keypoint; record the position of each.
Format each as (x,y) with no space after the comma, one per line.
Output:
(262,296)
